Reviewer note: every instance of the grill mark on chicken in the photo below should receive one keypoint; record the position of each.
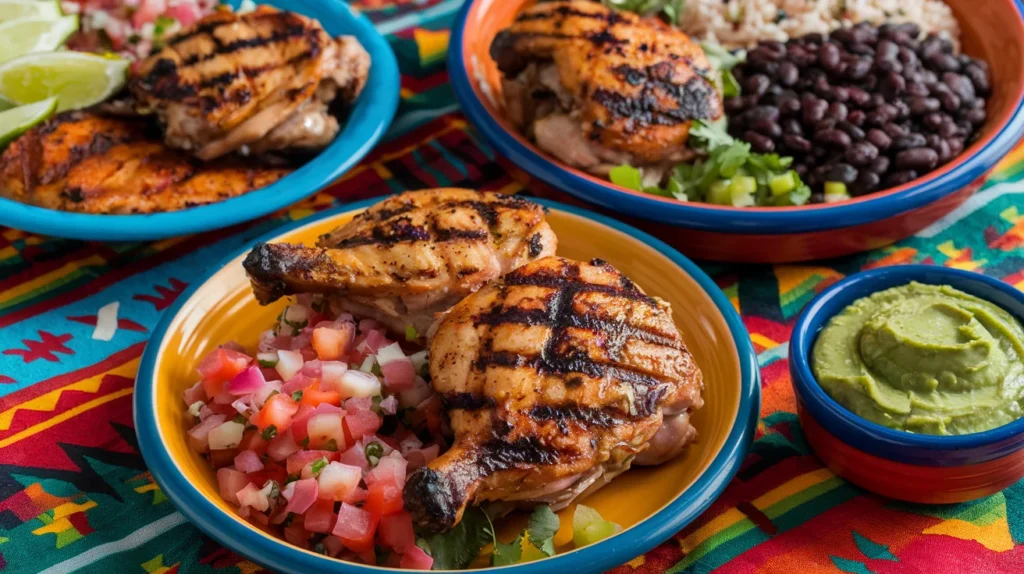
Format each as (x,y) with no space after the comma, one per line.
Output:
(536,245)
(589,416)
(499,454)
(694,98)
(556,282)
(611,17)
(466,401)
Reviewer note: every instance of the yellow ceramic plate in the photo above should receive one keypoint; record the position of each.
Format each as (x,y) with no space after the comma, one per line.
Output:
(651,504)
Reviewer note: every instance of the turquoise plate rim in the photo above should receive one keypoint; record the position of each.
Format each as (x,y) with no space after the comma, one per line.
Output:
(366,124)
(604,555)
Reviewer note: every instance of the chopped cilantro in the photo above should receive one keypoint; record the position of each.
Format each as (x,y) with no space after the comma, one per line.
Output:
(507,554)
(240,419)
(541,529)
(332,445)
(373,453)
(460,546)
(297,396)
(291,478)
(269,432)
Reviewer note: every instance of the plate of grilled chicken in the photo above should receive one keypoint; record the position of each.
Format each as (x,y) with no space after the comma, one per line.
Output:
(232,117)
(448,379)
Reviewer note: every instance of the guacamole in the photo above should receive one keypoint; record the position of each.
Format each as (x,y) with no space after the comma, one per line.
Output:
(926,359)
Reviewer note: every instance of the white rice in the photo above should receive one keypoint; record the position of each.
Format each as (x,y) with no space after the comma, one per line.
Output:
(741,23)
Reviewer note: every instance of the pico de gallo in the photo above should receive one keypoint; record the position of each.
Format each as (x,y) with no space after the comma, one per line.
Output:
(314,433)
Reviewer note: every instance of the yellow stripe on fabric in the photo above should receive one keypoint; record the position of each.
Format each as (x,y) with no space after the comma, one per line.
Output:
(763,341)
(8,252)
(48,402)
(66,415)
(767,500)
(783,506)
(48,280)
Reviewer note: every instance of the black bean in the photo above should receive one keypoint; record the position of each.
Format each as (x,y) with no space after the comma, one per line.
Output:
(858,97)
(788,73)
(837,111)
(789,106)
(902,109)
(858,68)
(880,165)
(879,138)
(843,173)
(956,145)
(895,130)
(758,142)
(817,197)
(825,124)
(942,62)
(917,88)
(815,111)
(950,101)
(908,142)
(833,137)
(934,120)
(944,150)
(855,133)
(757,84)
(889,66)
(796,143)
(866,183)
(823,88)
(861,153)
(734,105)
(931,46)
(750,101)
(840,94)
(828,56)
(919,158)
(961,85)
(886,51)
(773,46)
(900,177)
(893,85)
(907,57)
(856,117)
(949,128)
(976,116)
(791,126)
(759,56)
(932,141)
(767,127)
(978,77)
(920,105)
(762,113)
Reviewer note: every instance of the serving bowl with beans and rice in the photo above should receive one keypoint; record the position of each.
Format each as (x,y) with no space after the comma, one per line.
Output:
(844,126)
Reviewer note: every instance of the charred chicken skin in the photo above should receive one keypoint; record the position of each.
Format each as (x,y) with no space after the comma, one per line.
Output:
(83,162)
(598,88)
(556,378)
(253,83)
(408,257)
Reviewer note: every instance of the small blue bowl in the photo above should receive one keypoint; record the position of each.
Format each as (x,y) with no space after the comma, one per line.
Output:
(898,464)
(366,124)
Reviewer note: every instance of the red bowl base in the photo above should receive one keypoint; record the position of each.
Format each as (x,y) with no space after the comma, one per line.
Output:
(911,483)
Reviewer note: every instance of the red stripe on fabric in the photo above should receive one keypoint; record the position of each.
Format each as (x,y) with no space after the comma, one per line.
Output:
(41,388)
(115,275)
(41,268)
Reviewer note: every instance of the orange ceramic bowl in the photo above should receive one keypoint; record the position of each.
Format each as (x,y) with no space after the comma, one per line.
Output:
(651,504)
(992,30)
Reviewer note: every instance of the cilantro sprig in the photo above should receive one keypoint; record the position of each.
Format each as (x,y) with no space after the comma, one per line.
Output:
(461,546)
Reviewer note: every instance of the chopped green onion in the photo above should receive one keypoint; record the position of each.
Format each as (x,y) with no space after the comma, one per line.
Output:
(268,360)
(410,333)
(318,465)
(373,453)
(240,419)
(269,432)
(305,442)
(297,396)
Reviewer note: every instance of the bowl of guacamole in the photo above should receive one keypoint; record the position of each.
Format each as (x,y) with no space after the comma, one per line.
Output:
(921,365)
(928,359)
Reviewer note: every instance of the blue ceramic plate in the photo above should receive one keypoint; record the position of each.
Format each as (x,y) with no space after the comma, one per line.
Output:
(651,504)
(367,122)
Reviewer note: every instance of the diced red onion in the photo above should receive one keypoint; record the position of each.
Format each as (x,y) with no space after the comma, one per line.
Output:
(399,375)
(288,363)
(358,384)
(194,394)
(230,481)
(199,434)
(303,494)
(248,461)
(247,382)
(253,497)
(389,405)
(282,446)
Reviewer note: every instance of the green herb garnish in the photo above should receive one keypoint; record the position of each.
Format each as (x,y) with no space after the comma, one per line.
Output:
(318,465)
(269,432)
(410,333)
(297,396)
(460,546)
(332,445)
(374,451)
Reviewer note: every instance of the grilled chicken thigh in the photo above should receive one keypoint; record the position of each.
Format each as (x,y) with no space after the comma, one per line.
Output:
(408,257)
(254,82)
(556,377)
(80,161)
(598,88)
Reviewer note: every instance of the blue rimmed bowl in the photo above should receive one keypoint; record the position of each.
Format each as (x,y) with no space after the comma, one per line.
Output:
(651,503)
(992,30)
(367,121)
(898,464)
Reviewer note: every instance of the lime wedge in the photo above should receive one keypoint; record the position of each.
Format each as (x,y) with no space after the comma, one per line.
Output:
(20,9)
(20,37)
(76,79)
(17,121)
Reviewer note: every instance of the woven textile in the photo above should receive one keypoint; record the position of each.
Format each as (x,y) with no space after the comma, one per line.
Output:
(76,496)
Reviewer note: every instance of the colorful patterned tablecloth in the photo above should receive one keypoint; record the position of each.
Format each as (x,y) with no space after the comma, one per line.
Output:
(75,495)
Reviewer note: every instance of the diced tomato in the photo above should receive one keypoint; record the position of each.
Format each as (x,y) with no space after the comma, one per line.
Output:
(395,531)
(301,459)
(185,13)
(376,339)
(383,498)
(271,471)
(416,559)
(356,527)
(355,456)
(282,446)
(362,423)
(332,343)
(223,457)
(252,440)
(230,481)
(313,396)
(298,382)
(390,469)
(147,12)
(399,375)
(321,516)
(219,367)
(295,533)
(299,421)
(278,412)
